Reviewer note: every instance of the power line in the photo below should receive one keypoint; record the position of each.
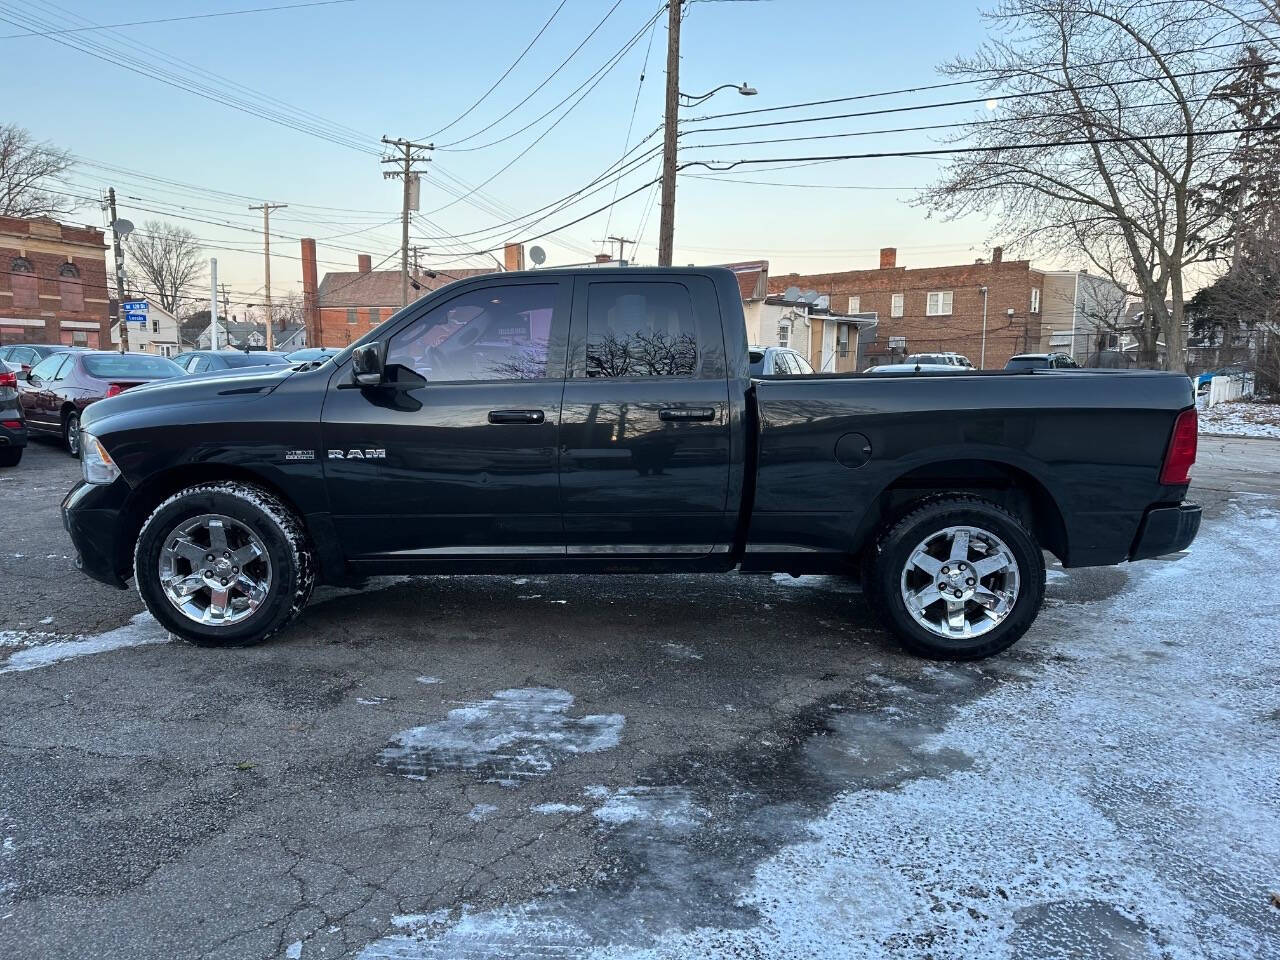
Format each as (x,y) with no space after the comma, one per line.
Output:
(192,16)
(504,76)
(959,83)
(544,82)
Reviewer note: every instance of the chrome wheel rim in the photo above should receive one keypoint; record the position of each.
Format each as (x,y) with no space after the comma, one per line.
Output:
(960,582)
(73,436)
(214,570)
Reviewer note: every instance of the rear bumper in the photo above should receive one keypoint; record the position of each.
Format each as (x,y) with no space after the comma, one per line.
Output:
(12,436)
(1166,530)
(91,514)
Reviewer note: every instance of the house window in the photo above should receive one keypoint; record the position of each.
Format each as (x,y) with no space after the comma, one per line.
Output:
(352,315)
(70,289)
(842,339)
(375,315)
(939,304)
(784,333)
(155,324)
(855,305)
(1035,300)
(26,289)
(79,338)
(895,304)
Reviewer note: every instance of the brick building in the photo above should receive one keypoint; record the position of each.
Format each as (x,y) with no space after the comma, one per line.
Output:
(932,309)
(344,306)
(53,283)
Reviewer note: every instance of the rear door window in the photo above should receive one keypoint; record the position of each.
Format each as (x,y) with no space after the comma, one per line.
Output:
(641,329)
(47,369)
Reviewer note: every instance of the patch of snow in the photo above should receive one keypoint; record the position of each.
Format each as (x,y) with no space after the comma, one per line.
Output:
(428,679)
(141,629)
(519,733)
(293,951)
(414,920)
(669,807)
(551,808)
(47,620)
(678,651)
(481,811)
(371,701)
(8,845)
(1242,418)
(520,581)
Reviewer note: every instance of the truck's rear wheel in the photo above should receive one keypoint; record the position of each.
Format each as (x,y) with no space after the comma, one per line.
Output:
(223,563)
(957,578)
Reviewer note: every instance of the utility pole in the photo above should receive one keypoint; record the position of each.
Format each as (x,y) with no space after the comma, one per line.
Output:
(413,253)
(667,225)
(119,254)
(622,245)
(213,303)
(408,155)
(266,209)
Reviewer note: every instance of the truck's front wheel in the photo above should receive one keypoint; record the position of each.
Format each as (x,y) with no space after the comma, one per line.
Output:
(957,578)
(223,563)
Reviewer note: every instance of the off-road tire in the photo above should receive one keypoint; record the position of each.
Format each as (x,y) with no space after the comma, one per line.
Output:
(892,550)
(10,456)
(279,530)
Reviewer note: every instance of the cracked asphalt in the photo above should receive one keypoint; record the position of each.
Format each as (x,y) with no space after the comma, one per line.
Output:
(647,766)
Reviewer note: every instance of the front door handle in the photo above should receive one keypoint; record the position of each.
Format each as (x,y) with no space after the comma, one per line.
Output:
(516,416)
(687,414)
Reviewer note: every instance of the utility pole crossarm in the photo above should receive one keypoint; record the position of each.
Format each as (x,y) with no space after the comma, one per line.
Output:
(266,209)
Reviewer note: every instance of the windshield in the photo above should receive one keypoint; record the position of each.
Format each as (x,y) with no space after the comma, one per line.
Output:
(253,359)
(111,366)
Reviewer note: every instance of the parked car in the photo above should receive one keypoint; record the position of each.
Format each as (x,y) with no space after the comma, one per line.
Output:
(13,429)
(918,368)
(777,362)
(605,421)
(1041,361)
(933,359)
(1234,370)
(56,391)
(310,353)
(211,361)
(20,357)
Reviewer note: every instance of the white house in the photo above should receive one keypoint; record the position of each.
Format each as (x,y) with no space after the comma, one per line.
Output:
(159,334)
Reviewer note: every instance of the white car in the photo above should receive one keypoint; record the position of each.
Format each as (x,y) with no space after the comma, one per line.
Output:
(919,368)
(945,358)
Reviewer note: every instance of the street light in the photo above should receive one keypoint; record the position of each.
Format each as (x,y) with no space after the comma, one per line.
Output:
(689,100)
(675,100)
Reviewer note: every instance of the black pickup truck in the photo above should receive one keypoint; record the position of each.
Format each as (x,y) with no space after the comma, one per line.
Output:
(605,421)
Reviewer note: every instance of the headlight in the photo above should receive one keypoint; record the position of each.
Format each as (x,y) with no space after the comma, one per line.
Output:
(95,461)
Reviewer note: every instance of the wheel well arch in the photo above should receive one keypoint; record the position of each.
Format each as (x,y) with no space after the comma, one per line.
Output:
(68,408)
(155,489)
(1018,491)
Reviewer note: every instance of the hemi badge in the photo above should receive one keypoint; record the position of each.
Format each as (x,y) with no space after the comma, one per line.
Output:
(299,454)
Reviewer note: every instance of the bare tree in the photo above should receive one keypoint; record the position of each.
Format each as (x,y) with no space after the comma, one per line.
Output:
(1103,128)
(25,169)
(168,258)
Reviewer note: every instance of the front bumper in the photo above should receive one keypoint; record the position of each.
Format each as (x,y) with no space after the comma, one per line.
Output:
(1166,530)
(92,515)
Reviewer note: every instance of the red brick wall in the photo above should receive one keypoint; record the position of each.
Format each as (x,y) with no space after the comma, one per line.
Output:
(336,331)
(47,250)
(1009,287)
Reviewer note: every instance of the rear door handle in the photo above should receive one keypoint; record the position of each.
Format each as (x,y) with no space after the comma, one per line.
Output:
(516,416)
(687,414)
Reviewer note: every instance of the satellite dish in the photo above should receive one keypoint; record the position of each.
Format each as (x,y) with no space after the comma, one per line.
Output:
(123,227)
(793,293)
(809,296)
(822,302)
(538,255)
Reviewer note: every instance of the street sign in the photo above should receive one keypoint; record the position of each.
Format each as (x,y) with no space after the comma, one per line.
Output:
(135,306)
(132,317)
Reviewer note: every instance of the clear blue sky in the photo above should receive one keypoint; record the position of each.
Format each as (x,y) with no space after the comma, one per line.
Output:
(406,69)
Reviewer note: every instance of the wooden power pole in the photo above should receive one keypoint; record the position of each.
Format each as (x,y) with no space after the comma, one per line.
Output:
(409,153)
(119,255)
(266,209)
(667,224)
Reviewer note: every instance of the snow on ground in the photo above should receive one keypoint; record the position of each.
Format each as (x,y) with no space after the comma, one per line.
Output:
(1242,418)
(1110,793)
(43,651)
(519,733)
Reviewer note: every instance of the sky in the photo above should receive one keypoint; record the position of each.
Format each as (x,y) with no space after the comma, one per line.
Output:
(356,70)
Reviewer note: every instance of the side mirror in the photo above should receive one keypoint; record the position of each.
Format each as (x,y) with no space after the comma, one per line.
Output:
(26,375)
(366,365)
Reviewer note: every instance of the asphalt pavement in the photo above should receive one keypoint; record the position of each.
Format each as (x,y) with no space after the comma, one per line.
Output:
(699,766)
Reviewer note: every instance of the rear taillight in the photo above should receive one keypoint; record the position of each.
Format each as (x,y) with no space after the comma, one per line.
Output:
(11,424)
(1181,454)
(8,379)
(114,390)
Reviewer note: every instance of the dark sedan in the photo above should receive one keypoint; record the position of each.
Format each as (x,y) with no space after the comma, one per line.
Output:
(214,361)
(58,388)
